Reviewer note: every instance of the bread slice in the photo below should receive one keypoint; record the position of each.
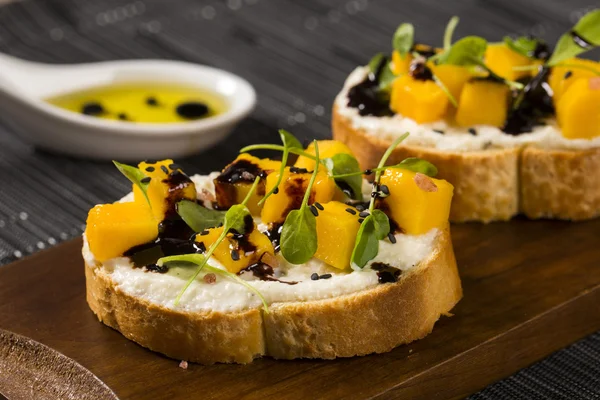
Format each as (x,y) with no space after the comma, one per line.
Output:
(369,321)
(496,184)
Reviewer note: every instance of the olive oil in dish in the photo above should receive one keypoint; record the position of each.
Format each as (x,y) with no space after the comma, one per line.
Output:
(147,103)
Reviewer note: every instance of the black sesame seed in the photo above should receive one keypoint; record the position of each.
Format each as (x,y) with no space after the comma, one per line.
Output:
(472,131)
(151,101)
(319,206)
(314,277)
(192,110)
(204,233)
(92,108)
(375,195)
(314,210)
(391,237)
(164,169)
(296,170)
(360,207)
(351,211)
(364,214)
(360,220)
(367,172)
(568,74)
(235,256)
(150,169)
(325,276)
(174,166)
(385,190)
(123,117)
(441,132)
(276,190)
(220,225)
(145,180)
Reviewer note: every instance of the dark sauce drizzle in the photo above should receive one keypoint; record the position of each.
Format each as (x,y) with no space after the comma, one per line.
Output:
(366,96)
(386,273)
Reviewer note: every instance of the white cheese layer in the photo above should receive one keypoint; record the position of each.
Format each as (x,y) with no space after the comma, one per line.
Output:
(454,138)
(227,295)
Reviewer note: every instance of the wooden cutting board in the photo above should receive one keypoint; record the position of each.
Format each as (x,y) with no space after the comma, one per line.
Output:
(530,287)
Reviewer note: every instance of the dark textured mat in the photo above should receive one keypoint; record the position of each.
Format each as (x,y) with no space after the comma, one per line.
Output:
(297,55)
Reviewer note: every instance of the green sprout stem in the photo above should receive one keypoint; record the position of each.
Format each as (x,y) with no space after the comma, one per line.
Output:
(312,178)
(381,166)
(251,191)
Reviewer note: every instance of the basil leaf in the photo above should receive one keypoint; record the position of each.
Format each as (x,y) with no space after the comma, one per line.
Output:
(299,236)
(404,39)
(236,217)
(198,217)
(467,51)
(366,246)
(381,224)
(375,62)
(522,45)
(290,140)
(417,165)
(135,176)
(587,28)
(341,164)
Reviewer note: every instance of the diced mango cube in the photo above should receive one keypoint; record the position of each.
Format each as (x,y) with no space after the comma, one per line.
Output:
(578,111)
(327,148)
(401,65)
(237,252)
(167,186)
(561,77)
(336,234)
(483,102)
(421,100)
(112,229)
(417,203)
(291,192)
(502,60)
(236,179)
(454,77)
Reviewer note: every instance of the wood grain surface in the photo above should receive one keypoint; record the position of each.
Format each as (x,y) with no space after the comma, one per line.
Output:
(531,288)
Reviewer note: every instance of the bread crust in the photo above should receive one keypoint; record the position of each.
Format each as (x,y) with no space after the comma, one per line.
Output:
(370,321)
(497,184)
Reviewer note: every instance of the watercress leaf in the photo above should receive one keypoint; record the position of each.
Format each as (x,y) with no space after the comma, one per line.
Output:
(522,45)
(417,165)
(135,176)
(289,140)
(467,51)
(341,164)
(236,217)
(299,236)
(375,62)
(198,217)
(366,245)
(404,39)
(386,78)
(381,224)
(567,47)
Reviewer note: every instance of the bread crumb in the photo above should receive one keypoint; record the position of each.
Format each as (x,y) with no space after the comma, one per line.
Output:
(425,183)
(183,364)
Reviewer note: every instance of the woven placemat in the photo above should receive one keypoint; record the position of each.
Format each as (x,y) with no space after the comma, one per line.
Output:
(297,55)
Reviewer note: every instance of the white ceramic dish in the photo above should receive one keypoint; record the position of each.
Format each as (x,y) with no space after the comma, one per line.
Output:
(24,85)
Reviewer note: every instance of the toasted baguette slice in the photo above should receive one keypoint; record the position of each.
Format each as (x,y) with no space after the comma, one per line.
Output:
(369,321)
(497,184)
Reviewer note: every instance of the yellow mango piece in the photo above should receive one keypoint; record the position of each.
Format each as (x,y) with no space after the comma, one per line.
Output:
(454,77)
(423,101)
(400,65)
(502,59)
(417,203)
(336,234)
(113,229)
(164,189)
(483,102)
(578,111)
(564,74)
(234,183)
(327,148)
(291,192)
(236,254)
